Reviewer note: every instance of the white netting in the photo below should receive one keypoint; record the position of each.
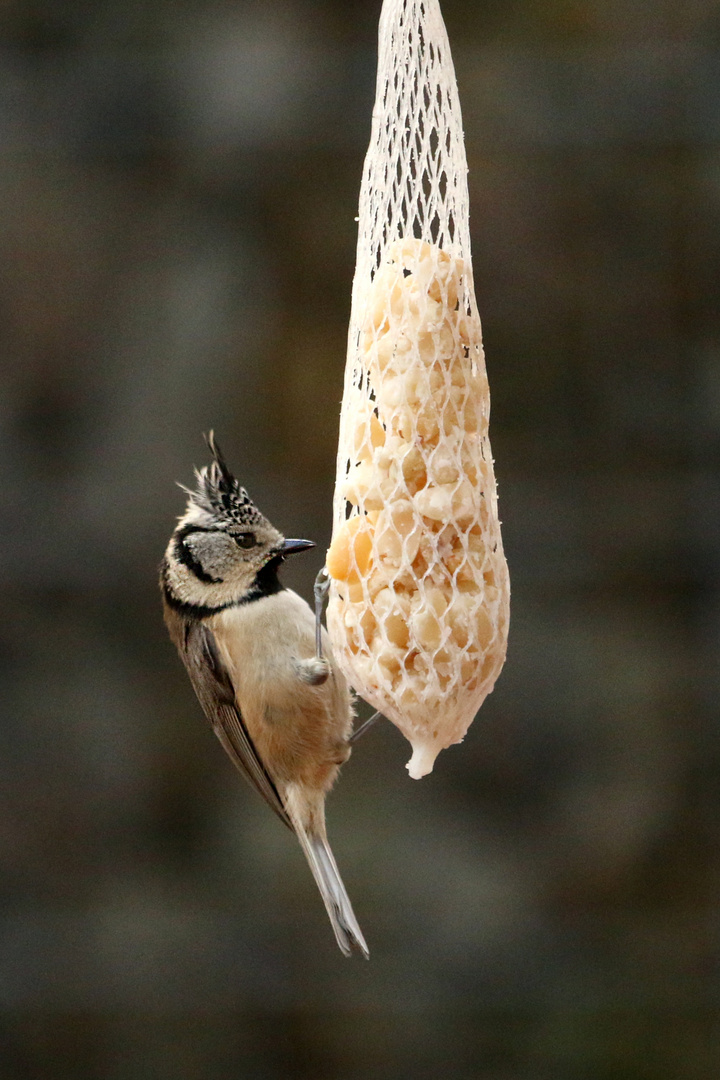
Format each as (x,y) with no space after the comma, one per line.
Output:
(418,609)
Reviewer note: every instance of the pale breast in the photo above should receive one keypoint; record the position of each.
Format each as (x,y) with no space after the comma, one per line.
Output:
(298,729)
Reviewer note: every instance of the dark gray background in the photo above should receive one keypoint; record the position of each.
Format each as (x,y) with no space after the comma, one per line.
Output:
(178,186)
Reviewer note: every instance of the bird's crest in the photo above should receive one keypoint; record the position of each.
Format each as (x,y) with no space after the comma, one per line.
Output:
(219,494)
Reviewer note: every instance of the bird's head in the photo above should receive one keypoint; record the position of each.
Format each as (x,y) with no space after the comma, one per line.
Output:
(223,550)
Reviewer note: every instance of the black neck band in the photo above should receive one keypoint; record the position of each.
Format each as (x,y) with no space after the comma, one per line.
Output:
(266,583)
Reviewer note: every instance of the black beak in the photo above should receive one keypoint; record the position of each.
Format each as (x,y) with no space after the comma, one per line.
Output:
(292,547)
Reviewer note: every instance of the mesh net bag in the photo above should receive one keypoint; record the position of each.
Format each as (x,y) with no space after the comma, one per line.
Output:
(419,597)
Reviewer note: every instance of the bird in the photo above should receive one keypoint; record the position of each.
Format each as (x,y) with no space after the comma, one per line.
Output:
(279,705)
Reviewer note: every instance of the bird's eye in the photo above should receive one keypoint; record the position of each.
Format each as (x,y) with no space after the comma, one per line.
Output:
(245,540)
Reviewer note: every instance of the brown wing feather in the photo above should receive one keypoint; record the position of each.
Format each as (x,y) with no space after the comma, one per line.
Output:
(216,694)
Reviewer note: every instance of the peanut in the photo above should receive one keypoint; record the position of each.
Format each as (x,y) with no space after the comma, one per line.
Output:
(349,555)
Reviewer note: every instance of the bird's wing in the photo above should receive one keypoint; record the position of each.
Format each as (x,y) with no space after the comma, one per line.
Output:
(216,694)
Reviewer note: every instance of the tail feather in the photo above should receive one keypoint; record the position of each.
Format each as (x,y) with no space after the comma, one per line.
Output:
(342,917)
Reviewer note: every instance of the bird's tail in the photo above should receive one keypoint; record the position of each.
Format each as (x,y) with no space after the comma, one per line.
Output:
(324,868)
(307,813)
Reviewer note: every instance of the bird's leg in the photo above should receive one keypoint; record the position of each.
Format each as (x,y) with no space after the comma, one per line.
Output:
(321,589)
(316,670)
(364,727)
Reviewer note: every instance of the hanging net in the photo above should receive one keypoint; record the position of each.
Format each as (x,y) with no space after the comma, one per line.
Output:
(419,599)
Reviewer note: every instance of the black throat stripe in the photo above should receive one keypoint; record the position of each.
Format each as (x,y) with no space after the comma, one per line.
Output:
(266,583)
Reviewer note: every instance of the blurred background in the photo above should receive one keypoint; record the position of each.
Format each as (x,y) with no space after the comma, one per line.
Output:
(179,184)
